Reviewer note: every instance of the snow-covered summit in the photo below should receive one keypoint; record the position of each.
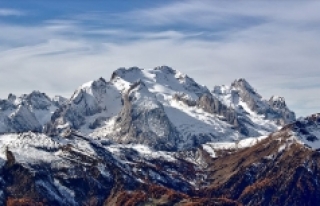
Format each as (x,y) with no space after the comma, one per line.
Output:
(244,86)
(247,101)
(163,80)
(29,112)
(90,106)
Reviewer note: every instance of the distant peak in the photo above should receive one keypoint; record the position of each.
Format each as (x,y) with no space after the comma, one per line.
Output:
(135,73)
(242,80)
(314,117)
(304,122)
(99,82)
(277,101)
(243,83)
(95,83)
(165,69)
(12,97)
(36,95)
(276,98)
(134,68)
(102,79)
(122,71)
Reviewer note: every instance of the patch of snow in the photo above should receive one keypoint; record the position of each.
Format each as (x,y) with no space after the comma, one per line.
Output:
(143,150)
(103,171)
(209,149)
(66,192)
(247,142)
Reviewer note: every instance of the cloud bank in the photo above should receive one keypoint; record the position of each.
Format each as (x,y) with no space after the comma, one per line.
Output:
(275,46)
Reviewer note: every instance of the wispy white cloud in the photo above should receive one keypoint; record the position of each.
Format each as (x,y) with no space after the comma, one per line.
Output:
(206,12)
(11,12)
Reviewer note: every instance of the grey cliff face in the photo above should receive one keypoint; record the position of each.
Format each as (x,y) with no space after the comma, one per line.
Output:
(144,121)
(212,105)
(247,94)
(183,98)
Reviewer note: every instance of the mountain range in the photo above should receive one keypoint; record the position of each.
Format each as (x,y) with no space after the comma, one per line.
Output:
(157,137)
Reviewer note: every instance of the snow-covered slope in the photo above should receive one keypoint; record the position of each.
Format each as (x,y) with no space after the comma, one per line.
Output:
(255,115)
(307,131)
(212,147)
(167,88)
(71,171)
(200,116)
(89,107)
(28,112)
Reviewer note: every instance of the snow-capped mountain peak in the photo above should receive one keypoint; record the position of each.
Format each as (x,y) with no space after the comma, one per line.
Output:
(37,100)
(243,84)
(243,93)
(89,107)
(29,112)
(162,79)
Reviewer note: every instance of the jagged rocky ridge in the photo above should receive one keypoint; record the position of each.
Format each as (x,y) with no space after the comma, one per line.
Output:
(166,109)
(28,112)
(40,170)
(281,169)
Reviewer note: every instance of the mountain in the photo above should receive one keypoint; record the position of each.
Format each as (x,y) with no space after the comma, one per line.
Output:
(90,106)
(29,112)
(255,116)
(167,110)
(156,137)
(159,107)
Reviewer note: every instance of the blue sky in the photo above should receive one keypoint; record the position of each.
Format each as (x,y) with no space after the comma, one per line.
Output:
(55,47)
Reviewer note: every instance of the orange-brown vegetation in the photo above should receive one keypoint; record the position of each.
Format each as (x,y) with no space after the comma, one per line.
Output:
(23,202)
